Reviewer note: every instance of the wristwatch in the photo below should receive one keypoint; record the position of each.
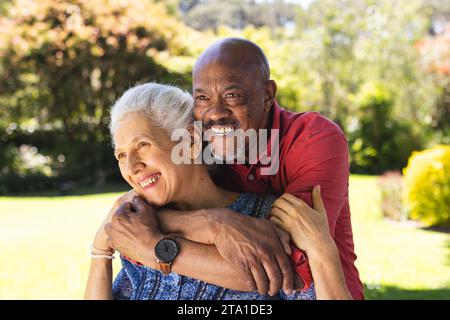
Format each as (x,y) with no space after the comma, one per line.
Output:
(166,251)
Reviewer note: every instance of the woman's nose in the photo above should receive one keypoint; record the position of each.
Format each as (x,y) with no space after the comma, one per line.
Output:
(135,164)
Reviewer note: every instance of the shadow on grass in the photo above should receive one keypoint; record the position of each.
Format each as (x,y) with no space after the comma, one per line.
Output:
(397,293)
(445,229)
(76,191)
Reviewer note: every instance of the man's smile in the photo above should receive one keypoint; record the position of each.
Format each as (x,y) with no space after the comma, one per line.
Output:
(222,130)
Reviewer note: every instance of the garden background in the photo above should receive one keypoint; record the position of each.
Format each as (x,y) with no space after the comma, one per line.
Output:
(378,68)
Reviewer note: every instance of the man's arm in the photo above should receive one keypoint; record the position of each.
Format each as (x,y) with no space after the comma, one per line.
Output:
(202,261)
(135,237)
(310,232)
(323,160)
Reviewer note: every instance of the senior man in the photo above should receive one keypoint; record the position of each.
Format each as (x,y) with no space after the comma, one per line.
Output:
(232,90)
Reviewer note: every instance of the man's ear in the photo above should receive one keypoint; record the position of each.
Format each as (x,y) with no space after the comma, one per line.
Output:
(196,141)
(269,94)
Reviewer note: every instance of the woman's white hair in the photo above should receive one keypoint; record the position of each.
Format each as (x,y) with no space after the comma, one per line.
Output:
(166,106)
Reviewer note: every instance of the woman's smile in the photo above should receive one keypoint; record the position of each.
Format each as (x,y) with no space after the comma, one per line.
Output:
(150,181)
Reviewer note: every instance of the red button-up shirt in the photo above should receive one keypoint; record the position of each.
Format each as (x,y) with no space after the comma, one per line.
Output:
(312,151)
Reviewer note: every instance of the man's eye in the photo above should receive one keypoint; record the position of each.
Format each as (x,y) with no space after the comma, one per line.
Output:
(232,95)
(201,97)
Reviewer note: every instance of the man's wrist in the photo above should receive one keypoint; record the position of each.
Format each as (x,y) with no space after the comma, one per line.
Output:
(148,254)
(204,225)
(212,222)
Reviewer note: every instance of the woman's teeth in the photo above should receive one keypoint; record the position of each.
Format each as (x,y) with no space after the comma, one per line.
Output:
(222,130)
(150,181)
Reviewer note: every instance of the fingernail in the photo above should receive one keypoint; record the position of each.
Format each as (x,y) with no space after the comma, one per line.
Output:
(318,188)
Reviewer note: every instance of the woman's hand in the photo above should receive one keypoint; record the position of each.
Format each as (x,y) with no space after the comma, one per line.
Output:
(307,227)
(100,239)
(310,232)
(134,231)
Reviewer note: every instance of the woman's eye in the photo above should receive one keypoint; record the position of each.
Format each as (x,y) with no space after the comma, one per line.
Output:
(143,144)
(121,156)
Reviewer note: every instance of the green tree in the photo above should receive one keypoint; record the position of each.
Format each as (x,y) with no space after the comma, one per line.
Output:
(62,65)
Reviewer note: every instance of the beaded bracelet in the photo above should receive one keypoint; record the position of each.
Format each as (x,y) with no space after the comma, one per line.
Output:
(96,251)
(102,256)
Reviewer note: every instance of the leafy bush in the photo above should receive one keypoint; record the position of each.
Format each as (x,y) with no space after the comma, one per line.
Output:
(380,142)
(391,188)
(427,182)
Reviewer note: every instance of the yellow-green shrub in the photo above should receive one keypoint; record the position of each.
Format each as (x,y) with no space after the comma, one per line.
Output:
(427,185)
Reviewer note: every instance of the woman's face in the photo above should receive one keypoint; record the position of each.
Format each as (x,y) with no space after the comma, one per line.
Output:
(143,152)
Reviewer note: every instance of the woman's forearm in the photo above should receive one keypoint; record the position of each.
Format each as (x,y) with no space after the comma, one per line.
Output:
(99,284)
(203,262)
(329,280)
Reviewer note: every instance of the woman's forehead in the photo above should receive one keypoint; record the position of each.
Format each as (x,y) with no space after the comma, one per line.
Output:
(135,127)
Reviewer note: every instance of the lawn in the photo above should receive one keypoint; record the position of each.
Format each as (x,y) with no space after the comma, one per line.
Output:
(44,247)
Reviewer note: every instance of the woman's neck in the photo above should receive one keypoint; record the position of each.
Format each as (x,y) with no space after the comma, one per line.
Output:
(202,193)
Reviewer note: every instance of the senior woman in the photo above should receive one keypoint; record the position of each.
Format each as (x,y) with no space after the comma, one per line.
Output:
(142,122)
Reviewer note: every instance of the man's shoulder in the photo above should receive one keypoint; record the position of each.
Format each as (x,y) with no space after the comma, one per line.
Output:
(305,125)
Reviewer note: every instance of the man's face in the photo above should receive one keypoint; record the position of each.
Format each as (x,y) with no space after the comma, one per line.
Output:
(227,99)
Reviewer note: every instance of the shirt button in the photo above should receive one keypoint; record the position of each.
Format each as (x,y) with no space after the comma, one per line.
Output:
(251,177)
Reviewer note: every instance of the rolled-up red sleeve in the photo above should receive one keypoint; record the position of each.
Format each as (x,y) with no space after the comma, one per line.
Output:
(322,159)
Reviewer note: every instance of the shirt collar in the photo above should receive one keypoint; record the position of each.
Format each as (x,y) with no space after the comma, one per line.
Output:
(274,123)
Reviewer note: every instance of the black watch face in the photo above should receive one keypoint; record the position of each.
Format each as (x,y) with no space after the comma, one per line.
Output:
(166,250)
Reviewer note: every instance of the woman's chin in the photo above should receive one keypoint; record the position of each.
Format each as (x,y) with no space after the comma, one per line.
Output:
(157,202)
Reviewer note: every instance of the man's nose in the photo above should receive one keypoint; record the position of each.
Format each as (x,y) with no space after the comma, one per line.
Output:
(135,164)
(218,111)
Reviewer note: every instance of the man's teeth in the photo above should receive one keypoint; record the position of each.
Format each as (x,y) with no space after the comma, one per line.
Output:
(149,181)
(222,130)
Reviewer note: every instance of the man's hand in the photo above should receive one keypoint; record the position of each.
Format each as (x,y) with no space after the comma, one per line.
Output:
(134,231)
(253,245)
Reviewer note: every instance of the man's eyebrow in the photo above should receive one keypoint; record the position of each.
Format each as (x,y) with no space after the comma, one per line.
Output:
(232,87)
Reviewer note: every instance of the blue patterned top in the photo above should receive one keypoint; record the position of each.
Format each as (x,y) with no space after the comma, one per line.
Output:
(142,283)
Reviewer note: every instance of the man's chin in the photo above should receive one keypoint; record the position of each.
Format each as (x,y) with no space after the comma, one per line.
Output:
(222,157)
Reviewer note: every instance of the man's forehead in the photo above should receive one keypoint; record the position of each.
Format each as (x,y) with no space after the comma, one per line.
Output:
(215,78)
(223,72)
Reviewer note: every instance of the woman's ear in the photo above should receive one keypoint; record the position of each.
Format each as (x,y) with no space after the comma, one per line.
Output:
(196,140)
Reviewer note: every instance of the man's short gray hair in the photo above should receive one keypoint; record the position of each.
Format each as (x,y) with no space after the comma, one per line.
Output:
(167,106)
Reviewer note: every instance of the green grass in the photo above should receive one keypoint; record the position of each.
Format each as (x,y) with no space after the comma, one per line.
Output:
(396,261)
(44,247)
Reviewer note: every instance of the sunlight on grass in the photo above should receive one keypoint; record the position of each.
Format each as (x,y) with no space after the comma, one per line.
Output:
(391,255)
(44,243)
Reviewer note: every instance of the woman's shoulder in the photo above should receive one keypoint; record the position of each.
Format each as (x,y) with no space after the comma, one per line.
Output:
(255,205)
